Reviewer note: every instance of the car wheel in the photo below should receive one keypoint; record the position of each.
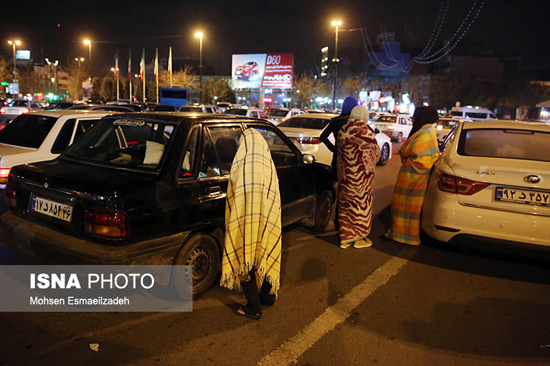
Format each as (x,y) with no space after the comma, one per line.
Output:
(399,137)
(200,251)
(384,155)
(323,210)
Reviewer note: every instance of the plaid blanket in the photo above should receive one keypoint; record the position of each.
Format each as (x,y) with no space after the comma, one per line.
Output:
(252,216)
(421,152)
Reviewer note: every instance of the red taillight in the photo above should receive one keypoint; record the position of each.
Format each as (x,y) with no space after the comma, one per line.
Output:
(25,110)
(4,174)
(309,140)
(391,127)
(450,183)
(2,110)
(10,196)
(111,224)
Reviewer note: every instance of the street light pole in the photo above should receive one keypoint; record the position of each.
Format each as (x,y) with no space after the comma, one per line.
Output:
(89,43)
(336,23)
(79,60)
(14,43)
(199,34)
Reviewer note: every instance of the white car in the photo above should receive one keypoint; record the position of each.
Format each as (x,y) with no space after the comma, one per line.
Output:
(17,107)
(305,131)
(445,125)
(279,115)
(492,181)
(199,108)
(472,113)
(397,126)
(246,112)
(39,136)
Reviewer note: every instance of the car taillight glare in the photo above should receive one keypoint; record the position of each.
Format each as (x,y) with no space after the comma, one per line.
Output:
(110,224)
(309,140)
(2,110)
(390,127)
(4,174)
(450,183)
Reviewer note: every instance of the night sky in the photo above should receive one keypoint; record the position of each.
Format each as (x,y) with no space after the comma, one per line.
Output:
(301,27)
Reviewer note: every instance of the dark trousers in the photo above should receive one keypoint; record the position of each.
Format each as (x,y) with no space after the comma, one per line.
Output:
(256,298)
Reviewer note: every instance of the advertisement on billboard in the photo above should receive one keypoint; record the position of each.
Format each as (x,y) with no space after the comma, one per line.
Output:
(263,70)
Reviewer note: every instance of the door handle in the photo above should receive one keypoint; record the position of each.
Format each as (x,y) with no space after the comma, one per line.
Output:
(215,191)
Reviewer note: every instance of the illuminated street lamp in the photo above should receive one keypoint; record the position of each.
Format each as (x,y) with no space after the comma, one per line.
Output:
(53,72)
(14,44)
(89,43)
(199,35)
(335,23)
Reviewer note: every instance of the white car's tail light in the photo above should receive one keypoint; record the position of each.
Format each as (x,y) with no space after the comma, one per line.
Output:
(309,140)
(111,224)
(2,110)
(450,183)
(4,174)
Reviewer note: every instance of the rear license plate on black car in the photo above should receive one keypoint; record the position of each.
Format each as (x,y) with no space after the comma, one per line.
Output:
(51,208)
(522,196)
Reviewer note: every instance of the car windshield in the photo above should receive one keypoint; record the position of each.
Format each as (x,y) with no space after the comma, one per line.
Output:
(505,143)
(278,113)
(191,109)
(236,111)
(27,130)
(309,123)
(127,142)
(389,119)
(19,103)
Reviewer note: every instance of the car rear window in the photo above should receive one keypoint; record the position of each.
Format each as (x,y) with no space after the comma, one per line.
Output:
(27,130)
(191,109)
(278,113)
(309,123)
(127,142)
(505,143)
(476,115)
(389,119)
(237,112)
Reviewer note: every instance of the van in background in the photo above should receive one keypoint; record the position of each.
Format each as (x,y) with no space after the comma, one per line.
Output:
(471,113)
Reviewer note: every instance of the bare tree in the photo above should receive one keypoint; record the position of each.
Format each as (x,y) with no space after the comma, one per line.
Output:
(352,85)
(185,78)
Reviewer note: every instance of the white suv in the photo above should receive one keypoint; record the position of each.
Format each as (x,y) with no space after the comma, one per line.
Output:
(246,112)
(39,136)
(278,115)
(396,126)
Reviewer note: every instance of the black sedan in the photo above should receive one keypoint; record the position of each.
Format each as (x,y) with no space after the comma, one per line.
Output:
(150,188)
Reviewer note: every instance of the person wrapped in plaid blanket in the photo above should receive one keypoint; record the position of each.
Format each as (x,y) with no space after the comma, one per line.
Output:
(253,239)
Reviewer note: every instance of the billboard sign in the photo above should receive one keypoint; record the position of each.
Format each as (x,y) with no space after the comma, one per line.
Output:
(263,70)
(23,55)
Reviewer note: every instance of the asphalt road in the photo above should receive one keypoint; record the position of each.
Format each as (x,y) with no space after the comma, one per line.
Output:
(390,304)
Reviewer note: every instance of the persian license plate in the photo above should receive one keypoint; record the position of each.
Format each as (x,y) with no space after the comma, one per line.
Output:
(522,196)
(51,208)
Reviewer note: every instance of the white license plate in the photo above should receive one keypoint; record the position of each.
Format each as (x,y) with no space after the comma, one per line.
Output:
(51,208)
(522,196)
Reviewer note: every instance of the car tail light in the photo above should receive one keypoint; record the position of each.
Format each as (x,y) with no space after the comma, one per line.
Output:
(26,110)
(2,110)
(450,183)
(439,127)
(111,224)
(4,174)
(10,196)
(309,140)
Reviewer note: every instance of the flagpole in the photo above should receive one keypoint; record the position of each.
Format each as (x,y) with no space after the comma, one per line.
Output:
(143,72)
(157,72)
(170,66)
(117,78)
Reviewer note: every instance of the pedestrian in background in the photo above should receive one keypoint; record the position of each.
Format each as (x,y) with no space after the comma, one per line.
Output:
(357,154)
(253,240)
(418,155)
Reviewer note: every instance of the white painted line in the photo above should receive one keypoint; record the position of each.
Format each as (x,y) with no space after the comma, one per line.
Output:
(289,352)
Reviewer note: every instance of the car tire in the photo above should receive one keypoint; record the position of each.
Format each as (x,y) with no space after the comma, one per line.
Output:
(399,137)
(323,210)
(384,155)
(202,252)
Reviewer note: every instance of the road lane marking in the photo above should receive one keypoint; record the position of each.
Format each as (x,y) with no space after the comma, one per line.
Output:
(289,352)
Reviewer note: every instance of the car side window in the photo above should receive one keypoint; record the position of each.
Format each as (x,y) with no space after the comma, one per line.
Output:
(262,114)
(209,164)
(190,153)
(225,140)
(281,153)
(254,114)
(64,138)
(83,125)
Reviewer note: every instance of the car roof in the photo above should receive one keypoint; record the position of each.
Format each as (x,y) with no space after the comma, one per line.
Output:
(316,115)
(508,124)
(71,112)
(180,117)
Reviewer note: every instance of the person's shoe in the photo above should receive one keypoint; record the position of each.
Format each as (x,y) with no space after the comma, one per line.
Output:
(346,245)
(364,243)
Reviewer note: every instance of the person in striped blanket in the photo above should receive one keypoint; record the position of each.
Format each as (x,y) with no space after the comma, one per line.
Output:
(253,239)
(418,155)
(358,153)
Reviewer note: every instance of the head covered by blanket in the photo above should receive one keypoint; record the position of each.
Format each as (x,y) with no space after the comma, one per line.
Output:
(252,215)
(423,116)
(360,112)
(348,105)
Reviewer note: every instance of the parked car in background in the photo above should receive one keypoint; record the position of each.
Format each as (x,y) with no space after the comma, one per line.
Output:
(198,108)
(104,107)
(305,131)
(397,126)
(163,108)
(39,136)
(246,112)
(223,106)
(150,188)
(17,107)
(57,105)
(472,113)
(491,187)
(445,125)
(278,115)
